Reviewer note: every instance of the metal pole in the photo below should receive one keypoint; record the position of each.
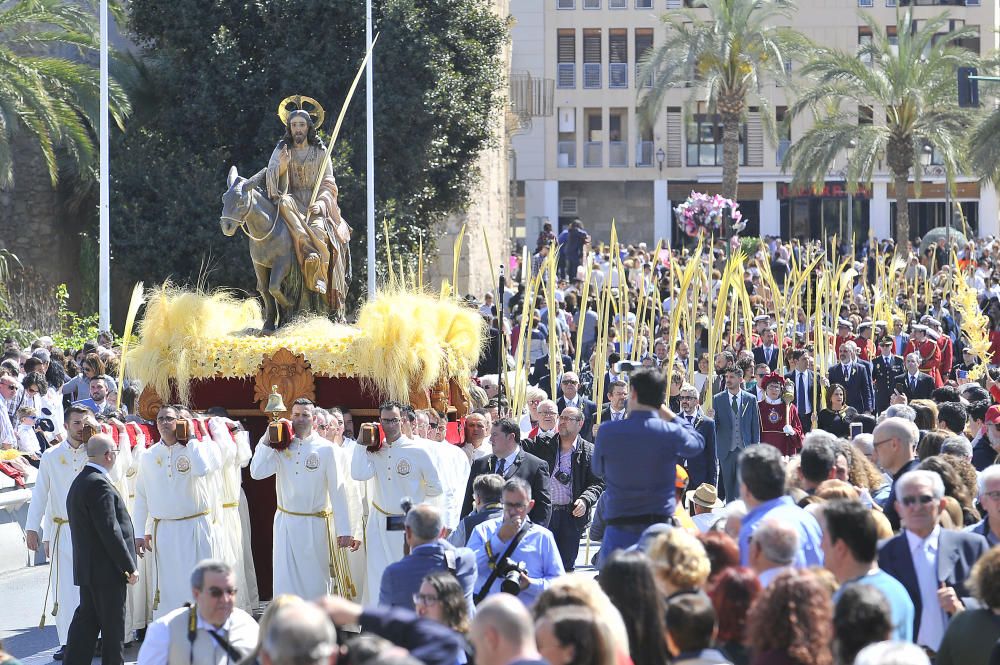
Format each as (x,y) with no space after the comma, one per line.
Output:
(947,194)
(370,163)
(850,220)
(104,263)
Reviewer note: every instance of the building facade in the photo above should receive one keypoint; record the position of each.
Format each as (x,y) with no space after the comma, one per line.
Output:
(589,157)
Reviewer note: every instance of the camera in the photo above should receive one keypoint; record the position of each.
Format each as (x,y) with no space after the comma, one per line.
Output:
(510,575)
(625,367)
(45,424)
(563,477)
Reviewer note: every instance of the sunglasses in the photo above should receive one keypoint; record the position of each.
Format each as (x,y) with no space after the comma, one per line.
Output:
(216,592)
(923,500)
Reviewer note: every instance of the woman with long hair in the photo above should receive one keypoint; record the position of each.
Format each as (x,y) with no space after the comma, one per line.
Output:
(627,578)
(791,622)
(837,416)
(572,635)
(732,594)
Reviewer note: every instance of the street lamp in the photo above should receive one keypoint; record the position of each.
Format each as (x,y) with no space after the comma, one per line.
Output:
(926,157)
(660,157)
(851,145)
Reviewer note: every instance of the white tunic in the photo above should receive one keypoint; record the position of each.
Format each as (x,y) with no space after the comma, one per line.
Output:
(172,502)
(401,470)
(234,454)
(47,515)
(308,484)
(453,467)
(140,595)
(357,508)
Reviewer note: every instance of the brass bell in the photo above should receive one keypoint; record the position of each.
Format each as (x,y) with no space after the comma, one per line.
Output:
(274,402)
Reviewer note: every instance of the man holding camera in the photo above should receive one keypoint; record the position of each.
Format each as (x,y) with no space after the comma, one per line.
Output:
(513,554)
(573,486)
(429,551)
(172,506)
(310,494)
(60,466)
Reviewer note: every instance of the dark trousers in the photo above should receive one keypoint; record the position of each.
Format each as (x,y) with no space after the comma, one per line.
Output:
(567,531)
(101,612)
(807,422)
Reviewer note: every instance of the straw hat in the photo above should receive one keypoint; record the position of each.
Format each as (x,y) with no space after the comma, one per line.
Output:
(706,496)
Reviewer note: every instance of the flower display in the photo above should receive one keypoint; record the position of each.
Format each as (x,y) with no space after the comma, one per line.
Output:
(704,213)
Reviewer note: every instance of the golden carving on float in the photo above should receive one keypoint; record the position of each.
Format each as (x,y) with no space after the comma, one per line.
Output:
(290,372)
(149,403)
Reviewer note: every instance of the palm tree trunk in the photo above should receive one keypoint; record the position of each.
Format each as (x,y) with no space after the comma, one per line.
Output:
(902,210)
(730,154)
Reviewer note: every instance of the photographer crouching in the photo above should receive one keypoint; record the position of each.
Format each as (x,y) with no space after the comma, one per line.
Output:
(513,554)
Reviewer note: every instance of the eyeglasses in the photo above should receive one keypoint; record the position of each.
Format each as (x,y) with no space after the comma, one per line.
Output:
(166,419)
(433,425)
(389,421)
(922,499)
(876,444)
(685,398)
(570,382)
(425,599)
(516,506)
(569,418)
(547,413)
(536,402)
(995,495)
(216,592)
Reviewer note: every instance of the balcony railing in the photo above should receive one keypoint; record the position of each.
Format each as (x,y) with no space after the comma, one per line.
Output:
(591,75)
(566,75)
(644,153)
(592,154)
(566,154)
(617,154)
(618,75)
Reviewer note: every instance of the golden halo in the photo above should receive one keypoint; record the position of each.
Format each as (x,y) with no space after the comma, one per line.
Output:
(299,103)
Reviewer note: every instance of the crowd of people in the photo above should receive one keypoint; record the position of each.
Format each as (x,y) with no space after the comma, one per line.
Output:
(795,488)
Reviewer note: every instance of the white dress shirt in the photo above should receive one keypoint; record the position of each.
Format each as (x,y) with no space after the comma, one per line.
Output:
(933,620)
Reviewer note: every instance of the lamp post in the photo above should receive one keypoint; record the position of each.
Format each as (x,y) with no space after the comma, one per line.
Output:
(370,151)
(104,224)
(850,197)
(660,157)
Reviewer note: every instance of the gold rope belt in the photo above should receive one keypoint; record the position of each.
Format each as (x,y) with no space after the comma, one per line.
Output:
(340,573)
(156,548)
(385,512)
(53,566)
(231,505)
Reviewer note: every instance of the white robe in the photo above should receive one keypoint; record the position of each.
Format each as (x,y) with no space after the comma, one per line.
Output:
(308,483)
(173,499)
(234,455)
(401,469)
(140,595)
(47,515)
(453,467)
(357,508)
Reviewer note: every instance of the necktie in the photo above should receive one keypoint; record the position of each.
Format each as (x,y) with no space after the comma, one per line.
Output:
(913,383)
(802,392)
(736,404)
(500,465)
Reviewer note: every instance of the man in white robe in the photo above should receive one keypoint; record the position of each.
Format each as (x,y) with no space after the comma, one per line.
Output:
(307,563)
(59,467)
(173,509)
(399,469)
(453,465)
(140,594)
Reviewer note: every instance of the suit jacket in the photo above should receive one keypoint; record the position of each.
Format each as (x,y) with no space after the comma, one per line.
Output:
(957,552)
(606,413)
(103,538)
(810,380)
(401,579)
(759,357)
(857,384)
(589,409)
(703,467)
(585,485)
(526,466)
(925,386)
(884,373)
(748,420)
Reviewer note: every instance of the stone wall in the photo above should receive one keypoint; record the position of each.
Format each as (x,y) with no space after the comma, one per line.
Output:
(34,224)
(488,209)
(629,203)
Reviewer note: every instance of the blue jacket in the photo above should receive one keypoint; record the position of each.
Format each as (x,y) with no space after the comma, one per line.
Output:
(402,579)
(749,420)
(637,458)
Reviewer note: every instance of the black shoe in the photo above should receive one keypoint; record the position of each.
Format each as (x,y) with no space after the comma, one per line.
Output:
(58,655)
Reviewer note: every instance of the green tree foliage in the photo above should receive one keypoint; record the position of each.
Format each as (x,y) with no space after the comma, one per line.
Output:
(913,82)
(46,86)
(206,92)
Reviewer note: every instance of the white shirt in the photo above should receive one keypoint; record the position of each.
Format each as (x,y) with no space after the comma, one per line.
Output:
(508,461)
(616,415)
(932,620)
(767,576)
(801,378)
(155,648)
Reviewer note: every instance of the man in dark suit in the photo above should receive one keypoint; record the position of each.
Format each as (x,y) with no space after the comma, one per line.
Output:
(573,486)
(886,366)
(510,461)
(855,377)
(913,383)
(702,468)
(571,397)
(424,532)
(104,558)
(804,380)
(932,563)
(767,352)
(737,425)
(616,407)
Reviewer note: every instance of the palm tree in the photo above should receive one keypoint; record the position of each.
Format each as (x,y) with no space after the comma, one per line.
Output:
(984,140)
(913,82)
(54,99)
(731,54)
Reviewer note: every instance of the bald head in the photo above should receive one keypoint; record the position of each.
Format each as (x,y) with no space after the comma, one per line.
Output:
(300,634)
(101,449)
(508,617)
